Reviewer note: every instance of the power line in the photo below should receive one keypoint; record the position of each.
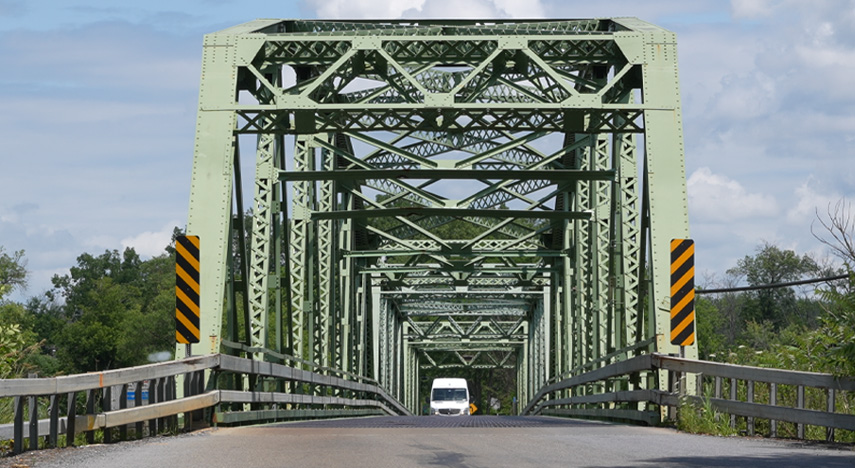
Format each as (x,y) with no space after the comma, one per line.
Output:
(772,286)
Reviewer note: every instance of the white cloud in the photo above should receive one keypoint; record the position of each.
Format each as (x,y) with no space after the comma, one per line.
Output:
(392,9)
(151,243)
(694,12)
(472,9)
(809,201)
(100,242)
(745,97)
(358,9)
(749,9)
(521,8)
(715,197)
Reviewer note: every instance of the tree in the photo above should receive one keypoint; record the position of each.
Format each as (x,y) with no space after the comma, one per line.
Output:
(118,309)
(13,271)
(90,341)
(730,307)
(19,343)
(839,229)
(150,328)
(771,265)
(838,329)
(76,287)
(709,323)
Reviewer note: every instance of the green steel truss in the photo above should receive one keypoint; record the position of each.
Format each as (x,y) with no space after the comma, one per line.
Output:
(479,194)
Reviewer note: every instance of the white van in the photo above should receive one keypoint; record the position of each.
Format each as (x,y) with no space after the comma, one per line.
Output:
(449,397)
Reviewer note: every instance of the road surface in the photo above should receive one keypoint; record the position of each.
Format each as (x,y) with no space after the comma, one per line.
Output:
(474,442)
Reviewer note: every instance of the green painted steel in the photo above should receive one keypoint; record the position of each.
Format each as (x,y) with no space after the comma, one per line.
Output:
(441,194)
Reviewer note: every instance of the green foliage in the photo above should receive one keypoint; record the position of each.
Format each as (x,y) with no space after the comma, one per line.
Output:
(838,329)
(150,328)
(84,278)
(702,418)
(20,346)
(16,315)
(13,271)
(828,347)
(759,319)
(771,265)
(709,322)
(11,350)
(91,341)
(118,309)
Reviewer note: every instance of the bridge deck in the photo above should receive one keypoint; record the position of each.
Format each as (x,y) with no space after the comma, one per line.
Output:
(443,422)
(430,441)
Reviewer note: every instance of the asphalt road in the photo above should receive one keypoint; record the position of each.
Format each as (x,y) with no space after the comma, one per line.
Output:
(478,441)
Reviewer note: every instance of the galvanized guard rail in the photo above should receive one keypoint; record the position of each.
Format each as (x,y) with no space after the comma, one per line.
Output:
(162,409)
(744,397)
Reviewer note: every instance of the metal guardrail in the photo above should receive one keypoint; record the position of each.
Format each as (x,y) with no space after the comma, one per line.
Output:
(162,409)
(741,381)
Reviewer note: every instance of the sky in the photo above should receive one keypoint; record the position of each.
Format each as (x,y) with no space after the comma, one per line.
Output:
(98,107)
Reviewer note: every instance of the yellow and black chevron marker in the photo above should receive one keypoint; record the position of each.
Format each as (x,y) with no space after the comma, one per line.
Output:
(187,289)
(682,292)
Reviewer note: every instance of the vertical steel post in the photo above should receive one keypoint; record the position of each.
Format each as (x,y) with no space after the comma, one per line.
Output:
(266,177)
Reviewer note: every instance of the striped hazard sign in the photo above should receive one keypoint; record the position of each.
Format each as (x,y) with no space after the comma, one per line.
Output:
(187,289)
(682,292)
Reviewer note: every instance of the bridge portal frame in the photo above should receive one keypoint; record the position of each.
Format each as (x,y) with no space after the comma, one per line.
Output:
(302,273)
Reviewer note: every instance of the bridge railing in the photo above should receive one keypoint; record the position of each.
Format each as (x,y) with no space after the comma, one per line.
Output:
(144,401)
(773,396)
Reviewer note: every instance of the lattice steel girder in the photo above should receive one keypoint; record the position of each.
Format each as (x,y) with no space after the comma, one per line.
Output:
(448,327)
(438,250)
(477,174)
(497,356)
(333,118)
(262,236)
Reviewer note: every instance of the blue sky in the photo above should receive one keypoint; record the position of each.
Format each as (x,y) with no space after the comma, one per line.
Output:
(98,106)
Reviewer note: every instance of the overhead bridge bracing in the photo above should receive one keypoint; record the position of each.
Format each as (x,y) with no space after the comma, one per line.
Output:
(479,194)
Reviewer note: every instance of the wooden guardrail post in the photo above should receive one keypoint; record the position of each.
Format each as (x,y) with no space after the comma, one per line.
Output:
(188,391)
(18,446)
(123,404)
(70,425)
(138,399)
(800,404)
(717,393)
(152,399)
(672,388)
(749,421)
(829,431)
(733,398)
(53,438)
(106,406)
(773,400)
(33,404)
(172,421)
(90,411)
(161,397)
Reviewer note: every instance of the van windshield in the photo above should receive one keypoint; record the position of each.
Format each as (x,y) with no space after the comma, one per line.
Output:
(449,394)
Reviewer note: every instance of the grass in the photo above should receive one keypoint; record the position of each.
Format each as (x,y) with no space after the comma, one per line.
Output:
(701,418)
